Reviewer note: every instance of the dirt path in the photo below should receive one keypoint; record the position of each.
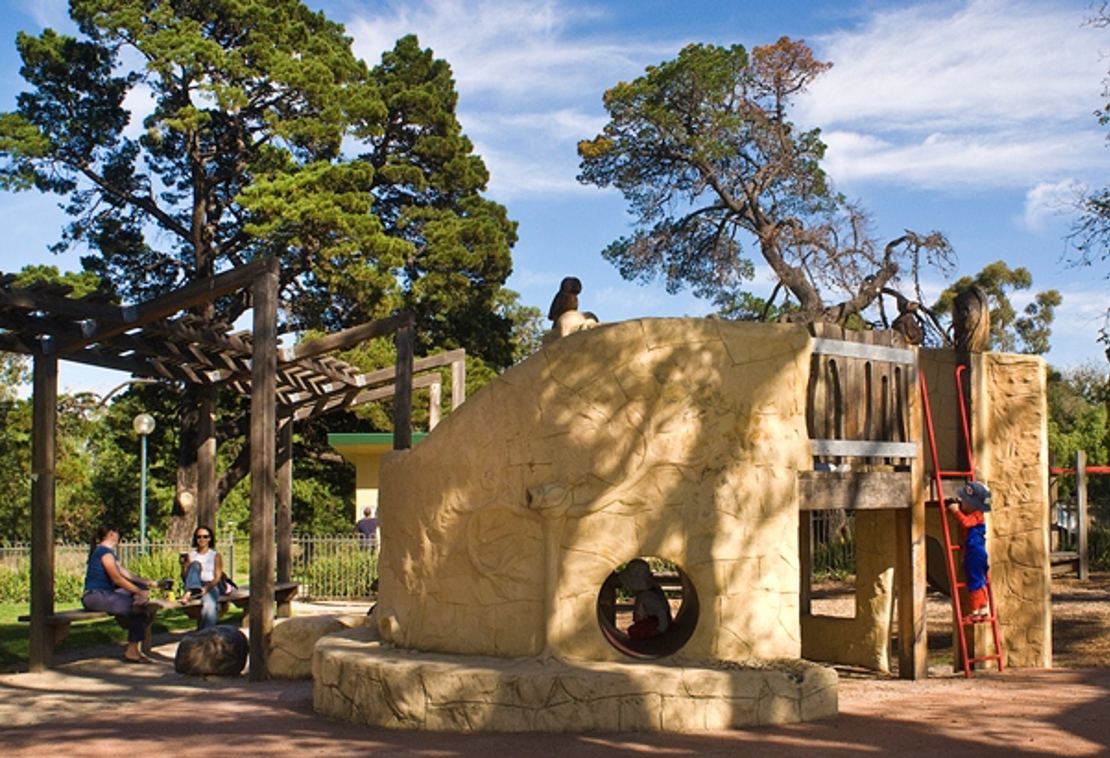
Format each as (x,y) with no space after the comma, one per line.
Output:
(101,707)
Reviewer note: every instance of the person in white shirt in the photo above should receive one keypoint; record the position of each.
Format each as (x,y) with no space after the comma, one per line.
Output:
(203,570)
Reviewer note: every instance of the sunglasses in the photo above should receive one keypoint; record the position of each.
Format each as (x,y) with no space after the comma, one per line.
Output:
(204,536)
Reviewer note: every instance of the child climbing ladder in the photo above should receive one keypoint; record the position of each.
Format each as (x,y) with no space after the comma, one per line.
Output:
(974,501)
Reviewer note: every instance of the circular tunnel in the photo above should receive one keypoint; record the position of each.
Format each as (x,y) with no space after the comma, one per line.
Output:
(615,604)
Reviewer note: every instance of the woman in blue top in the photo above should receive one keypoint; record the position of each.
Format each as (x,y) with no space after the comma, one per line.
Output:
(111,588)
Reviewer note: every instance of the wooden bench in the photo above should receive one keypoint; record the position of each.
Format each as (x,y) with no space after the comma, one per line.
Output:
(240,597)
(59,622)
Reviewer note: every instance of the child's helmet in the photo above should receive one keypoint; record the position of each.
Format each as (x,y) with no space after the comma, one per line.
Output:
(975,495)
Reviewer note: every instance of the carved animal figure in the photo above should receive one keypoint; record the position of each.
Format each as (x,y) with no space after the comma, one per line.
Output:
(908,322)
(566,299)
(971,321)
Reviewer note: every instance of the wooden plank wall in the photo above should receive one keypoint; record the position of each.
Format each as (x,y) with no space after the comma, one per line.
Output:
(859,398)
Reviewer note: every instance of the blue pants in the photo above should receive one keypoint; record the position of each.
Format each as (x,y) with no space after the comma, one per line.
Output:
(209,602)
(118,603)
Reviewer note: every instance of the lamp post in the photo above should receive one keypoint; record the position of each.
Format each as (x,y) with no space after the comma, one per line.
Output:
(143,425)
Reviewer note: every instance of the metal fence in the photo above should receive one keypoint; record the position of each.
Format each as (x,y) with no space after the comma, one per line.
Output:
(833,542)
(327,568)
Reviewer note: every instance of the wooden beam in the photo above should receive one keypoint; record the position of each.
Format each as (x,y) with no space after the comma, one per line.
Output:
(263,442)
(347,399)
(348,337)
(130,317)
(863,448)
(44,413)
(854,490)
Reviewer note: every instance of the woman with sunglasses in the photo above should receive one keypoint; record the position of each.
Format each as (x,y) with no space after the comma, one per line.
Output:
(111,588)
(203,570)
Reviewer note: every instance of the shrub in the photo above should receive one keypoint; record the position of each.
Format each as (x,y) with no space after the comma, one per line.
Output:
(15,586)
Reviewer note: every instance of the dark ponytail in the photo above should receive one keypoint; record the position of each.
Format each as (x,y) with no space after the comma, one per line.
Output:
(101,532)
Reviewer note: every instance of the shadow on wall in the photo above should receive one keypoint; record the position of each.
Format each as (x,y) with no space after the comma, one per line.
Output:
(676,438)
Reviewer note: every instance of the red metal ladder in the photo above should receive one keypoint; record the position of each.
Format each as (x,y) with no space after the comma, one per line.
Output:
(939,475)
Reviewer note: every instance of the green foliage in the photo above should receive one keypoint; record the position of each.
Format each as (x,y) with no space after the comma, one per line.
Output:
(835,559)
(1010,332)
(265,136)
(15,586)
(704,152)
(1079,419)
(1098,548)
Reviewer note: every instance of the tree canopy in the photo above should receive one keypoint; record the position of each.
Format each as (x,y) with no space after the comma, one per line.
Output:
(262,134)
(703,149)
(255,116)
(1027,332)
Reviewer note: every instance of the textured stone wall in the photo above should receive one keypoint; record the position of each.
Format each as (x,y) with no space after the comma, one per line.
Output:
(360,681)
(677,438)
(1011,430)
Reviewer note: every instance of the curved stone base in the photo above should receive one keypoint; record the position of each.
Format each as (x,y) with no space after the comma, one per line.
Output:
(360,680)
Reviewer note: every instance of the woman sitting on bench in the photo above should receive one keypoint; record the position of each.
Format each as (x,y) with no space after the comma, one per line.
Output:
(111,588)
(202,568)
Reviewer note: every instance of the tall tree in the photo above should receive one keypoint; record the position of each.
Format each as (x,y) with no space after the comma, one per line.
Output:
(703,149)
(1025,332)
(1090,235)
(254,104)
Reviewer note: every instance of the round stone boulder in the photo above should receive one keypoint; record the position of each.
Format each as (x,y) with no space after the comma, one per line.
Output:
(219,650)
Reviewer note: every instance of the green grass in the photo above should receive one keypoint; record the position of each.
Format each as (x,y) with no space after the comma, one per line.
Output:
(15,641)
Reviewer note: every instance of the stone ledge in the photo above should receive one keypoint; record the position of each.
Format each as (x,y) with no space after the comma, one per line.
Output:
(363,681)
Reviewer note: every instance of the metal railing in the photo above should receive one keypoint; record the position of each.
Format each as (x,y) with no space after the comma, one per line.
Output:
(327,568)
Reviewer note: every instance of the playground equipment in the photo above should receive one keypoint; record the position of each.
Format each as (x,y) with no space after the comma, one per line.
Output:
(967,472)
(704,443)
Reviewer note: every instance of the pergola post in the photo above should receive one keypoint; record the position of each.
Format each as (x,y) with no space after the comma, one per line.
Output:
(45,412)
(285,512)
(402,400)
(263,442)
(207,497)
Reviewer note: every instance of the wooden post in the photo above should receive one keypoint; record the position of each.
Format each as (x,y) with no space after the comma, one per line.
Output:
(910,574)
(434,399)
(1081,506)
(805,562)
(458,383)
(285,512)
(207,497)
(263,443)
(45,412)
(402,400)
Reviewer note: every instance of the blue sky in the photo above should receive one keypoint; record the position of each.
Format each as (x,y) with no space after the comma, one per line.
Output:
(971,117)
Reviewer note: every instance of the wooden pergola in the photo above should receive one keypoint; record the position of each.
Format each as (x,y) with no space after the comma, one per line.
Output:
(160,339)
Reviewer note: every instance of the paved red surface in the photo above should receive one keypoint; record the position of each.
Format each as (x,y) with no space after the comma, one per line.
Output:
(144,713)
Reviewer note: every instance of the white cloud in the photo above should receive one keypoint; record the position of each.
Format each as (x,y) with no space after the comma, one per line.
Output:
(48,13)
(979,92)
(530,78)
(960,158)
(1050,201)
(520,50)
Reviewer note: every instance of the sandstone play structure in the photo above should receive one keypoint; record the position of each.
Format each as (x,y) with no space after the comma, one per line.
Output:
(704,445)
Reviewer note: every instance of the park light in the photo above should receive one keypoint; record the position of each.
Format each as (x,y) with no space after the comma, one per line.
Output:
(143,425)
